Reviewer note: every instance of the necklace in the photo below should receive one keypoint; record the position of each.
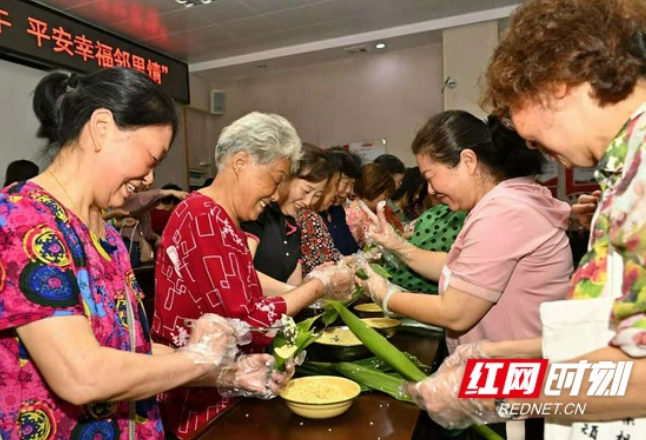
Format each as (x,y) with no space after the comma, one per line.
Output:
(74,207)
(51,173)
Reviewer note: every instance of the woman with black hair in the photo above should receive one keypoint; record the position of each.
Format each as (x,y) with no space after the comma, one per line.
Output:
(395,167)
(512,251)
(19,171)
(70,307)
(334,215)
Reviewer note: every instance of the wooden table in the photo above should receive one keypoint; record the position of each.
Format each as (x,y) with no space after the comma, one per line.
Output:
(373,416)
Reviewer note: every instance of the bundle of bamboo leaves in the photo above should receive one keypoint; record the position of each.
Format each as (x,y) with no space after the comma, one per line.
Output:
(386,372)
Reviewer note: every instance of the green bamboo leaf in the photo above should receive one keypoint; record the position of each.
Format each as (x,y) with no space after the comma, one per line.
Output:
(374,379)
(486,432)
(379,345)
(361,274)
(380,270)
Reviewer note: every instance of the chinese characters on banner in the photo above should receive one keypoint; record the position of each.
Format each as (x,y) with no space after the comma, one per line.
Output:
(37,33)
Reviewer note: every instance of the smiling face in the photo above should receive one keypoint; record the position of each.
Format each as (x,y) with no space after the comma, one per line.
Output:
(298,194)
(454,187)
(257,184)
(329,194)
(561,127)
(344,190)
(126,160)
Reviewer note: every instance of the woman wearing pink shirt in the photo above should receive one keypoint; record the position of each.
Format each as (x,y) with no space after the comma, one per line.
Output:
(512,253)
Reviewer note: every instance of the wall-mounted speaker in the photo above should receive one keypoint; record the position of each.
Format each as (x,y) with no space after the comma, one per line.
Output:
(218,102)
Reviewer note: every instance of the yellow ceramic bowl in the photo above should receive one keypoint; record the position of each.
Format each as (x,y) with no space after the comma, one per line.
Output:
(369,310)
(320,397)
(385,326)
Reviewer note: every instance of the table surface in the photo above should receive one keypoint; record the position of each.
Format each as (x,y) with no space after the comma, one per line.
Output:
(373,416)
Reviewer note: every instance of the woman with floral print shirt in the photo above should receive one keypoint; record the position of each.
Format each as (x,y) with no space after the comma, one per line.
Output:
(71,315)
(578,93)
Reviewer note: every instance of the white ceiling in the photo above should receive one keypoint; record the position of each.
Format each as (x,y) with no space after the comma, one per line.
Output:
(234,36)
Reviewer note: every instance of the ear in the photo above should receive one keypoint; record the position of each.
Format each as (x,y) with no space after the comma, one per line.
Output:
(99,125)
(469,159)
(240,161)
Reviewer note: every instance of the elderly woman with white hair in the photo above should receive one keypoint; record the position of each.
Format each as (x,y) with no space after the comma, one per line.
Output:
(205,265)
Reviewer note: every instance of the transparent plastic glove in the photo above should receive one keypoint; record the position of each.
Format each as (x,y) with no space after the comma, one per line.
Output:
(338,280)
(438,395)
(212,341)
(382,233)
(378,288)
(462,353)
(241,330)
(585,207)
(375,286)
(253,376)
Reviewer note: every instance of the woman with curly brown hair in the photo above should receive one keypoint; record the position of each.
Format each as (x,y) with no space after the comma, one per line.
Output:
(570,76)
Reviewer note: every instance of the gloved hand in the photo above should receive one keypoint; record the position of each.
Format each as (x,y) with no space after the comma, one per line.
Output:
(376,286)
(338,280)
(212,341)
(438,395)
(253,375)
(462,353)
(241,330)
(382,233)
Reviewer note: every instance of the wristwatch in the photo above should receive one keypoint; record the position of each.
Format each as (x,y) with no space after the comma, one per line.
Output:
(506,410)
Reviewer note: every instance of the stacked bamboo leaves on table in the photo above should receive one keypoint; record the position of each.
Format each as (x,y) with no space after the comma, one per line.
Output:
(386,372)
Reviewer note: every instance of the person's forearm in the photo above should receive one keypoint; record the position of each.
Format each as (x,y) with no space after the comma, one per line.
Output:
(302,296)
(207,380)
(149,377)
(453,310)
(272,287)
(515,349)
(426,263)
(296,278)
(78,369)
(140,376)
(161,349)
(424,308)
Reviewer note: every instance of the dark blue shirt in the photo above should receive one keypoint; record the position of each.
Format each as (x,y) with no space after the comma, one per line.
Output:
(334,218)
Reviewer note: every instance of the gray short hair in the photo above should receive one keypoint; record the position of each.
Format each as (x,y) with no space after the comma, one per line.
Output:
(265,137)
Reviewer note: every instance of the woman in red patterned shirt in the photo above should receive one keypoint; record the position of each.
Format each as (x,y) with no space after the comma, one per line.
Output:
(205,266)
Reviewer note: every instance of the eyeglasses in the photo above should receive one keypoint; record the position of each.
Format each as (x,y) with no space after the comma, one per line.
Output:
(506,120)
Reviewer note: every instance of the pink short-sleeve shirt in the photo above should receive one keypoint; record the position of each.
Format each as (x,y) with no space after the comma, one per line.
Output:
(512,251)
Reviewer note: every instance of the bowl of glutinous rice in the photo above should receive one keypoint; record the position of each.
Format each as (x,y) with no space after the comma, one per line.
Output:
(320,397)
(337,344)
